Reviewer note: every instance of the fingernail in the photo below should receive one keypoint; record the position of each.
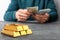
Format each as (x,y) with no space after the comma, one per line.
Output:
(18,19)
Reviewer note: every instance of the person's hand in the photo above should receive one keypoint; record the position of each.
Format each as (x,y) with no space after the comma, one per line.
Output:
(22,15)
(41,18)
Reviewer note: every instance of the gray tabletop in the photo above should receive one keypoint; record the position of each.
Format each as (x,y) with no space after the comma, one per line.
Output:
(48,31)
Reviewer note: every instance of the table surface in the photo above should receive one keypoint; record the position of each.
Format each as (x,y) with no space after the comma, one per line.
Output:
(48,31)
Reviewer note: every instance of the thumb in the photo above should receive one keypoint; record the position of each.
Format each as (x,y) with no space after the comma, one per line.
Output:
(46,14)
(25,10)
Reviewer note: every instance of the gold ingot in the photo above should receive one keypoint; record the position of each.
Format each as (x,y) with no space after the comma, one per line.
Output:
(13,27)
(10,33)
(29,31)
(23,32)
(25,27)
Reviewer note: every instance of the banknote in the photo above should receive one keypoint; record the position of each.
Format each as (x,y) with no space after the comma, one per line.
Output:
(32,9)
(35,10)
(43,11)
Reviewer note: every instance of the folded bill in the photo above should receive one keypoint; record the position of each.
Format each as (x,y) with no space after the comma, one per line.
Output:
(32,9)
(43,11)
(35,10)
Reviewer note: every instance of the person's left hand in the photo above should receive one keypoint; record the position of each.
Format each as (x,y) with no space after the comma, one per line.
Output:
(41,18)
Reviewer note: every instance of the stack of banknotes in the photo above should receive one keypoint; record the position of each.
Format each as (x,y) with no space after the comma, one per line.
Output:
(35,10)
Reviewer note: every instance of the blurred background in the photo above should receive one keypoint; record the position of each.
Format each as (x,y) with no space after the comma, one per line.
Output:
(5,3)
(3,7)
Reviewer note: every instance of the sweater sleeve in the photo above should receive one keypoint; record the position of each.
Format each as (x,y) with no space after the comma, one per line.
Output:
(11,11)
(53,14)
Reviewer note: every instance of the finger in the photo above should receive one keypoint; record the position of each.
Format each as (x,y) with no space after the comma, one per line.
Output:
(18,20)
(41,19)
(21,20)
(39,15)
(26,12)
(23,15)
(38,18)
(44,20)
(46,14)
(20,10)
(45,17)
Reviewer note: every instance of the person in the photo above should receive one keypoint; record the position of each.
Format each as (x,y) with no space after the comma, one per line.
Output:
(17,11)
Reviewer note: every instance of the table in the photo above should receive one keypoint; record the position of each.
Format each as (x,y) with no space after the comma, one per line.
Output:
(48,31)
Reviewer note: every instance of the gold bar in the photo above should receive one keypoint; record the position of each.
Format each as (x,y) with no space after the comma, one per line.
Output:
(13,27)
(25,27)
(23,32)
(29,31)
(10,33)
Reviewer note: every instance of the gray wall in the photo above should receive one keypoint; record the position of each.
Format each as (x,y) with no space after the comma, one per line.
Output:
(57,2)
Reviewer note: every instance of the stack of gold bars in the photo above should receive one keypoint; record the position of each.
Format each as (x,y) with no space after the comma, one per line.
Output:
(16,30)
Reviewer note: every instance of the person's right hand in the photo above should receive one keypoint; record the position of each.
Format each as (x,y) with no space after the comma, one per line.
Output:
(22,15)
